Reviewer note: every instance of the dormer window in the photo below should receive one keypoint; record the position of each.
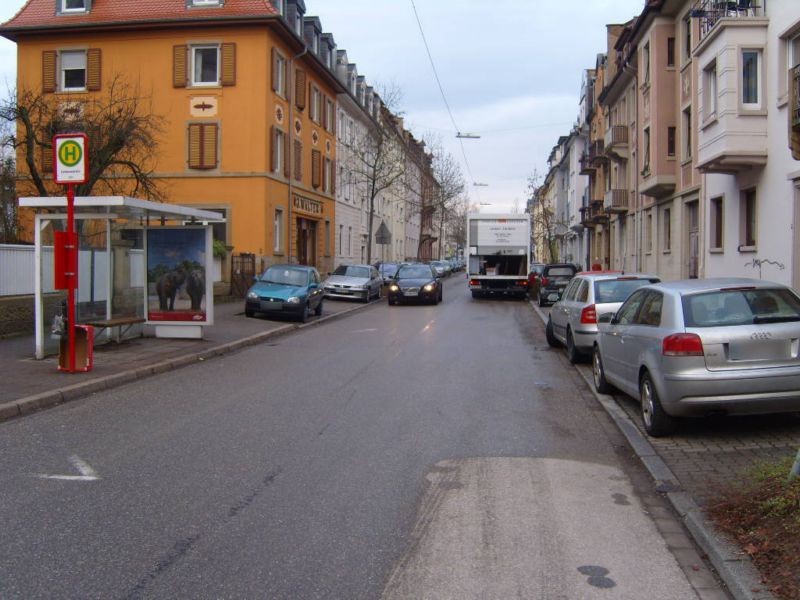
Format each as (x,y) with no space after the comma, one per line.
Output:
(73,6)
(298,24)
(280,6)
(205,2)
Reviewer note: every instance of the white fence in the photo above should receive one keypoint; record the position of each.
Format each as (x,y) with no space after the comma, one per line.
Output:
(18,268)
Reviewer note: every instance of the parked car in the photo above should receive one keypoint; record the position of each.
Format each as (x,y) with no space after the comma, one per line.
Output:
(387,271)
(534,279)
(293,290)
(442,267)
(415,282)
(573,319)
(553,281)
(362,282)
(702,346)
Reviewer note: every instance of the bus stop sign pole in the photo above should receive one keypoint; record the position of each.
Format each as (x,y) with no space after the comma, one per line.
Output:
(70,161)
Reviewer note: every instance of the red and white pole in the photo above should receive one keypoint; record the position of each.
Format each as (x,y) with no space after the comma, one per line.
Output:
(72,274)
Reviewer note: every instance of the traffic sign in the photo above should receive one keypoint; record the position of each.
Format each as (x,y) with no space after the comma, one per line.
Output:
(69,158)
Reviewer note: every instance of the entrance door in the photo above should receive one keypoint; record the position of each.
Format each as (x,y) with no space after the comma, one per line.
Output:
(693,239)
(306,242)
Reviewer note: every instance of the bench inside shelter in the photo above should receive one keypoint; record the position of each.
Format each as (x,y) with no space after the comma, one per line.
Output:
(118,325)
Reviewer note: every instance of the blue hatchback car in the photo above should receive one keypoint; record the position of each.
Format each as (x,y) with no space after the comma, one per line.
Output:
(293,290)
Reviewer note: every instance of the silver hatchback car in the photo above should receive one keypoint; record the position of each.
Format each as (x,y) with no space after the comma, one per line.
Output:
(703,346)
(573,319)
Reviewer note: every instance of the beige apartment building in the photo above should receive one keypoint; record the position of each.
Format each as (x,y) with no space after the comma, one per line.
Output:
(693,129)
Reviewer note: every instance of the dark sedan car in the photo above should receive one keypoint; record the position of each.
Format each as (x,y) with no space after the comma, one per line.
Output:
(553,280)
(415,282)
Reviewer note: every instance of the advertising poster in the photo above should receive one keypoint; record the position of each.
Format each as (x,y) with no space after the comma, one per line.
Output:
(176,275)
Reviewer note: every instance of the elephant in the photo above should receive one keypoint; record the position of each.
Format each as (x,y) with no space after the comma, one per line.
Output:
(167,288)
(196,287)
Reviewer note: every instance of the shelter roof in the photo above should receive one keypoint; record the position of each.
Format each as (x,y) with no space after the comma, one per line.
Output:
(124,207)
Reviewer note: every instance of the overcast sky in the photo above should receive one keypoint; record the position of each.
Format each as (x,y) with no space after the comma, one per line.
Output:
(510,69)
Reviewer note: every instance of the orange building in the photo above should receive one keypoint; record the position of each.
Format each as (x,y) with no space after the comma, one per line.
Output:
(245,88)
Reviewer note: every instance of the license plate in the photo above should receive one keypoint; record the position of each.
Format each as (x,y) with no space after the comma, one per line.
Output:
(553,297)
(411,293)
(760,350)
(271,305)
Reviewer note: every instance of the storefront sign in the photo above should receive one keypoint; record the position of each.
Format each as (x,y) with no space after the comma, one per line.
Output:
(307,205)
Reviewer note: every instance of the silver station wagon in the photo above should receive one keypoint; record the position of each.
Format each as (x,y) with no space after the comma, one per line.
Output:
(701,347)
(573,319)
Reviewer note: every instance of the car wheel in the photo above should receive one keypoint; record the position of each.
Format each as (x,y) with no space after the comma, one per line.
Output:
(249,313)
(548,333)
(390,301)
(475,294)
(441,296)
(304,314)
(318,310)
(656,422)
(573,355)
(598,374)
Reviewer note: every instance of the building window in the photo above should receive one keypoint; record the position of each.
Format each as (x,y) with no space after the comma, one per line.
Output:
(327,238)
(671,52)
(205,65)
(73,70)
(748,219)
(667,229)
(646,63)
(686,132)
(298,160)
(341,248)
(278,149)
(326,176)
(277,233)
(329,115)
(68,6)
(205,2)
(349,241)
(687,38)
(751,78)
(314,108)
(671,141)
(648,233)
(646,153)
(280,6)
(278,73)
(203,145)
(710,91)
(716,223)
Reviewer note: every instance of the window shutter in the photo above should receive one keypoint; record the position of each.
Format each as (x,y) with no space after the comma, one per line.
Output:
(274,70)
(300,89)
(47,159)
(93,69)
(298,160)
(203,145)
(286,164)
(49,77)
(316,168)
(273,137)
(228,64)
(179,67)
(333,177)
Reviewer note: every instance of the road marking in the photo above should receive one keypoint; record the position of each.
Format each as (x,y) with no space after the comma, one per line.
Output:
(364,330)
(87,473)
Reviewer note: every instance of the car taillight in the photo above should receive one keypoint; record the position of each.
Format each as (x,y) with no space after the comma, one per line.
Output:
(545,281)
(523,282)
(589,315)
(474,282)
(682,344)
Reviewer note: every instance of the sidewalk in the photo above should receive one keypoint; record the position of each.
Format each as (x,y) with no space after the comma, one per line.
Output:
(27,384)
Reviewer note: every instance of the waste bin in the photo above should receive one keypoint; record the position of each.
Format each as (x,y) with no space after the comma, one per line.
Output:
(84,349)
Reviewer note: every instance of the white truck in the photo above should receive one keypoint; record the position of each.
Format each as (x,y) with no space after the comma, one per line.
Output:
(498,254)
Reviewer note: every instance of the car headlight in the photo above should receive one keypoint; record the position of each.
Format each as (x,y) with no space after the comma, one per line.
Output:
(293,300)
(252,296)
(428,287)
(394,287)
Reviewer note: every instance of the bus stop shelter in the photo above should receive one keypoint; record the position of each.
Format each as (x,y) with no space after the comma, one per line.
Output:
(113,262)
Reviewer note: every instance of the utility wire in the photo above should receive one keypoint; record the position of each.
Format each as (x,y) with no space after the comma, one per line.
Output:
(441,90)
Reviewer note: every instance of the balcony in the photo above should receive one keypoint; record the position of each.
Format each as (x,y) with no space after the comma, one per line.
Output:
(586,216)
(616,142)
(598,215)
(587,165)
(597,153)
(711,12)
(616,201)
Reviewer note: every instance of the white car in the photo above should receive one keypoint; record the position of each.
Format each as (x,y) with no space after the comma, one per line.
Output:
(362,282)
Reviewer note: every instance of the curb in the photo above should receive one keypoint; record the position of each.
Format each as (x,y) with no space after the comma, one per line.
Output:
(733,566)
(30,404)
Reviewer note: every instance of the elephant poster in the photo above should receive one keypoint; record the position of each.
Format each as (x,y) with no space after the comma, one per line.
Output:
(176,275)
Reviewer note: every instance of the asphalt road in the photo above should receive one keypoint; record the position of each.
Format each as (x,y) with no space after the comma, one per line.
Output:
(402,452)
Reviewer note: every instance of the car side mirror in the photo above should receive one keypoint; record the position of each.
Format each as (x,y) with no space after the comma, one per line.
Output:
(256,278)
(606,318)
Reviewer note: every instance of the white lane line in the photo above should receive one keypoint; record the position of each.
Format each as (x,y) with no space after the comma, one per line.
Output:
(87,473)
(364,330)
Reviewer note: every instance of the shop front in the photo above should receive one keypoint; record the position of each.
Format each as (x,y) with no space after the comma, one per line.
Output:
(308,215)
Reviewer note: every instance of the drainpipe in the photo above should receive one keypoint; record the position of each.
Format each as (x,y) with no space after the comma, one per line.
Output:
(290,89)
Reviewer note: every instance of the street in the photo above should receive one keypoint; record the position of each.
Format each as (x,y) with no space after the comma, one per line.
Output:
(399,452)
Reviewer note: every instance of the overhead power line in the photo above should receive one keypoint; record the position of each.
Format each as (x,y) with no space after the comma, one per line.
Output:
(441,89)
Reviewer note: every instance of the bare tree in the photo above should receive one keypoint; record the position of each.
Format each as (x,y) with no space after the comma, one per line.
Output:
(449,194)
(8,200)
(122,131)
(544,224)
(378,157)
